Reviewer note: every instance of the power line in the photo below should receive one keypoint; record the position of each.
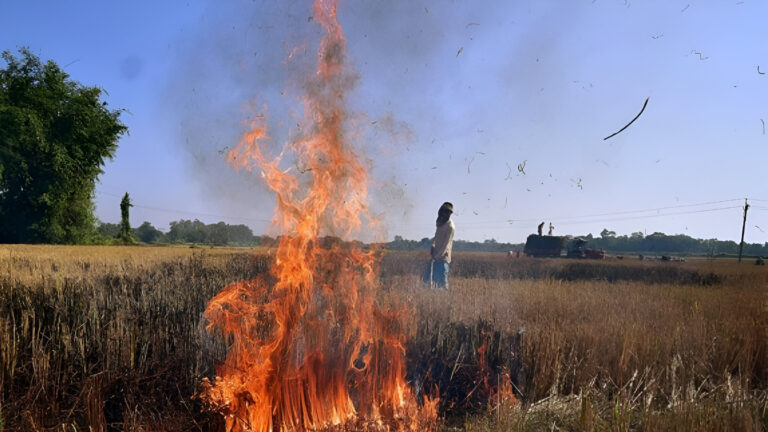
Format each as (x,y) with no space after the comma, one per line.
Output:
(507,225)
(653,215)
(564,220)
(510,223)
(187,212)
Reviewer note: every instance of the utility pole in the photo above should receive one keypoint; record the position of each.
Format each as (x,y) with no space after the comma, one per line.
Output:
(743,225)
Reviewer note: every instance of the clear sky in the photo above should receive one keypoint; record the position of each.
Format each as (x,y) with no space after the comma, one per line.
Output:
(452,98)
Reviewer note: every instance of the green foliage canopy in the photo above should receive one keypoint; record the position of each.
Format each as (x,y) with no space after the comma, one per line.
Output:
(148,233)
(54,139)
(125,223)
(187,231)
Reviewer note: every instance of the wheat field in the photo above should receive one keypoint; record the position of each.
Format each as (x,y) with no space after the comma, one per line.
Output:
(113,338)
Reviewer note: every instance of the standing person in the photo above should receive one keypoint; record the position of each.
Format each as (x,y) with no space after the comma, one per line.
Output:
(442,245)
(541,227)
(551,228)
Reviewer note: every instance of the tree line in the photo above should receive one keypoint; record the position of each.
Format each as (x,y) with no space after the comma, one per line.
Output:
(181,231)
(636,243)
(490,245)
(660,243)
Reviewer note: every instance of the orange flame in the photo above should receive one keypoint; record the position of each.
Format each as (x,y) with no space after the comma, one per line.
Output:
(310,348)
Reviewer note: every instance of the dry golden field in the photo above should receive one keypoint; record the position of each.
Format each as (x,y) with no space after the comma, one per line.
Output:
(113,338)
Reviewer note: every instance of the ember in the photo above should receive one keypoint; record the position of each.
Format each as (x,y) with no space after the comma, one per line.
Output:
(310,347)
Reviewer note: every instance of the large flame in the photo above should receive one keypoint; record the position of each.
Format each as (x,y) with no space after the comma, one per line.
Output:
(310,347)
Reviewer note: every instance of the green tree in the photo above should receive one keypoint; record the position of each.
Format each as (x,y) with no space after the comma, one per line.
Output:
(240,234)
(148,233)
(218,234)
(55,135)
(107,229)
(188,231)
(125,223)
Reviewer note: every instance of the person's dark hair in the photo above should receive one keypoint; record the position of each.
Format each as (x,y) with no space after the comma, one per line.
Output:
(444,213)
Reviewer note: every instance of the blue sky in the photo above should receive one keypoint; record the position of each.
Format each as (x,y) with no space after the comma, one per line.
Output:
(451,98)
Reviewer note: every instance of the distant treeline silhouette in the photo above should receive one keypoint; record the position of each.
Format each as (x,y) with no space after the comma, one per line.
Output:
(186,231)
(635,243)
(197,232)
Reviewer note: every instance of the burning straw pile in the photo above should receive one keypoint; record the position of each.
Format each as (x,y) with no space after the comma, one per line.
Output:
(311,349)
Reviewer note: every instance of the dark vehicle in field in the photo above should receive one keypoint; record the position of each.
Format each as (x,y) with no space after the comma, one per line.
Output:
(576,249)
(552,246)
(544,245)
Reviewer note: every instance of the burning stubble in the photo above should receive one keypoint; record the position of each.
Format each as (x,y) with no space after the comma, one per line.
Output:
(311,349)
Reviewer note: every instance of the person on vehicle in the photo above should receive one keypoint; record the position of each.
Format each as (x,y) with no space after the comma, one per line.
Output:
(541,227)
(442,244)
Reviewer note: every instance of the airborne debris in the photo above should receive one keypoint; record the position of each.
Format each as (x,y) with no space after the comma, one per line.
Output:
(763,122)
(686,7)
(459,52)
(471,24)
(509,172)
(633,120)
(761,230)
(578,183)
(660,35)
(701,56)
(758,70)
(301,170)
(521,166)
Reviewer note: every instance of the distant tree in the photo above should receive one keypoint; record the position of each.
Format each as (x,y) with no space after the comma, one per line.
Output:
(148,233)
(125,223)
(268,241)
(109,230)
(425,243)
(54,137)
(240,234)
(188,231)
(605,233)
(218,233)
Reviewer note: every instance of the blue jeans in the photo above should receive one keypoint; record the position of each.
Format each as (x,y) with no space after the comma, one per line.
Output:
(440,270)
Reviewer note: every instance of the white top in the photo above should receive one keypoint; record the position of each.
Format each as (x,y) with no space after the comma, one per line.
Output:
(442,244)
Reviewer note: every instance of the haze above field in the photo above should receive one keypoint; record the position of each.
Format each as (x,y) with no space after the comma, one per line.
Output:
(501,109)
